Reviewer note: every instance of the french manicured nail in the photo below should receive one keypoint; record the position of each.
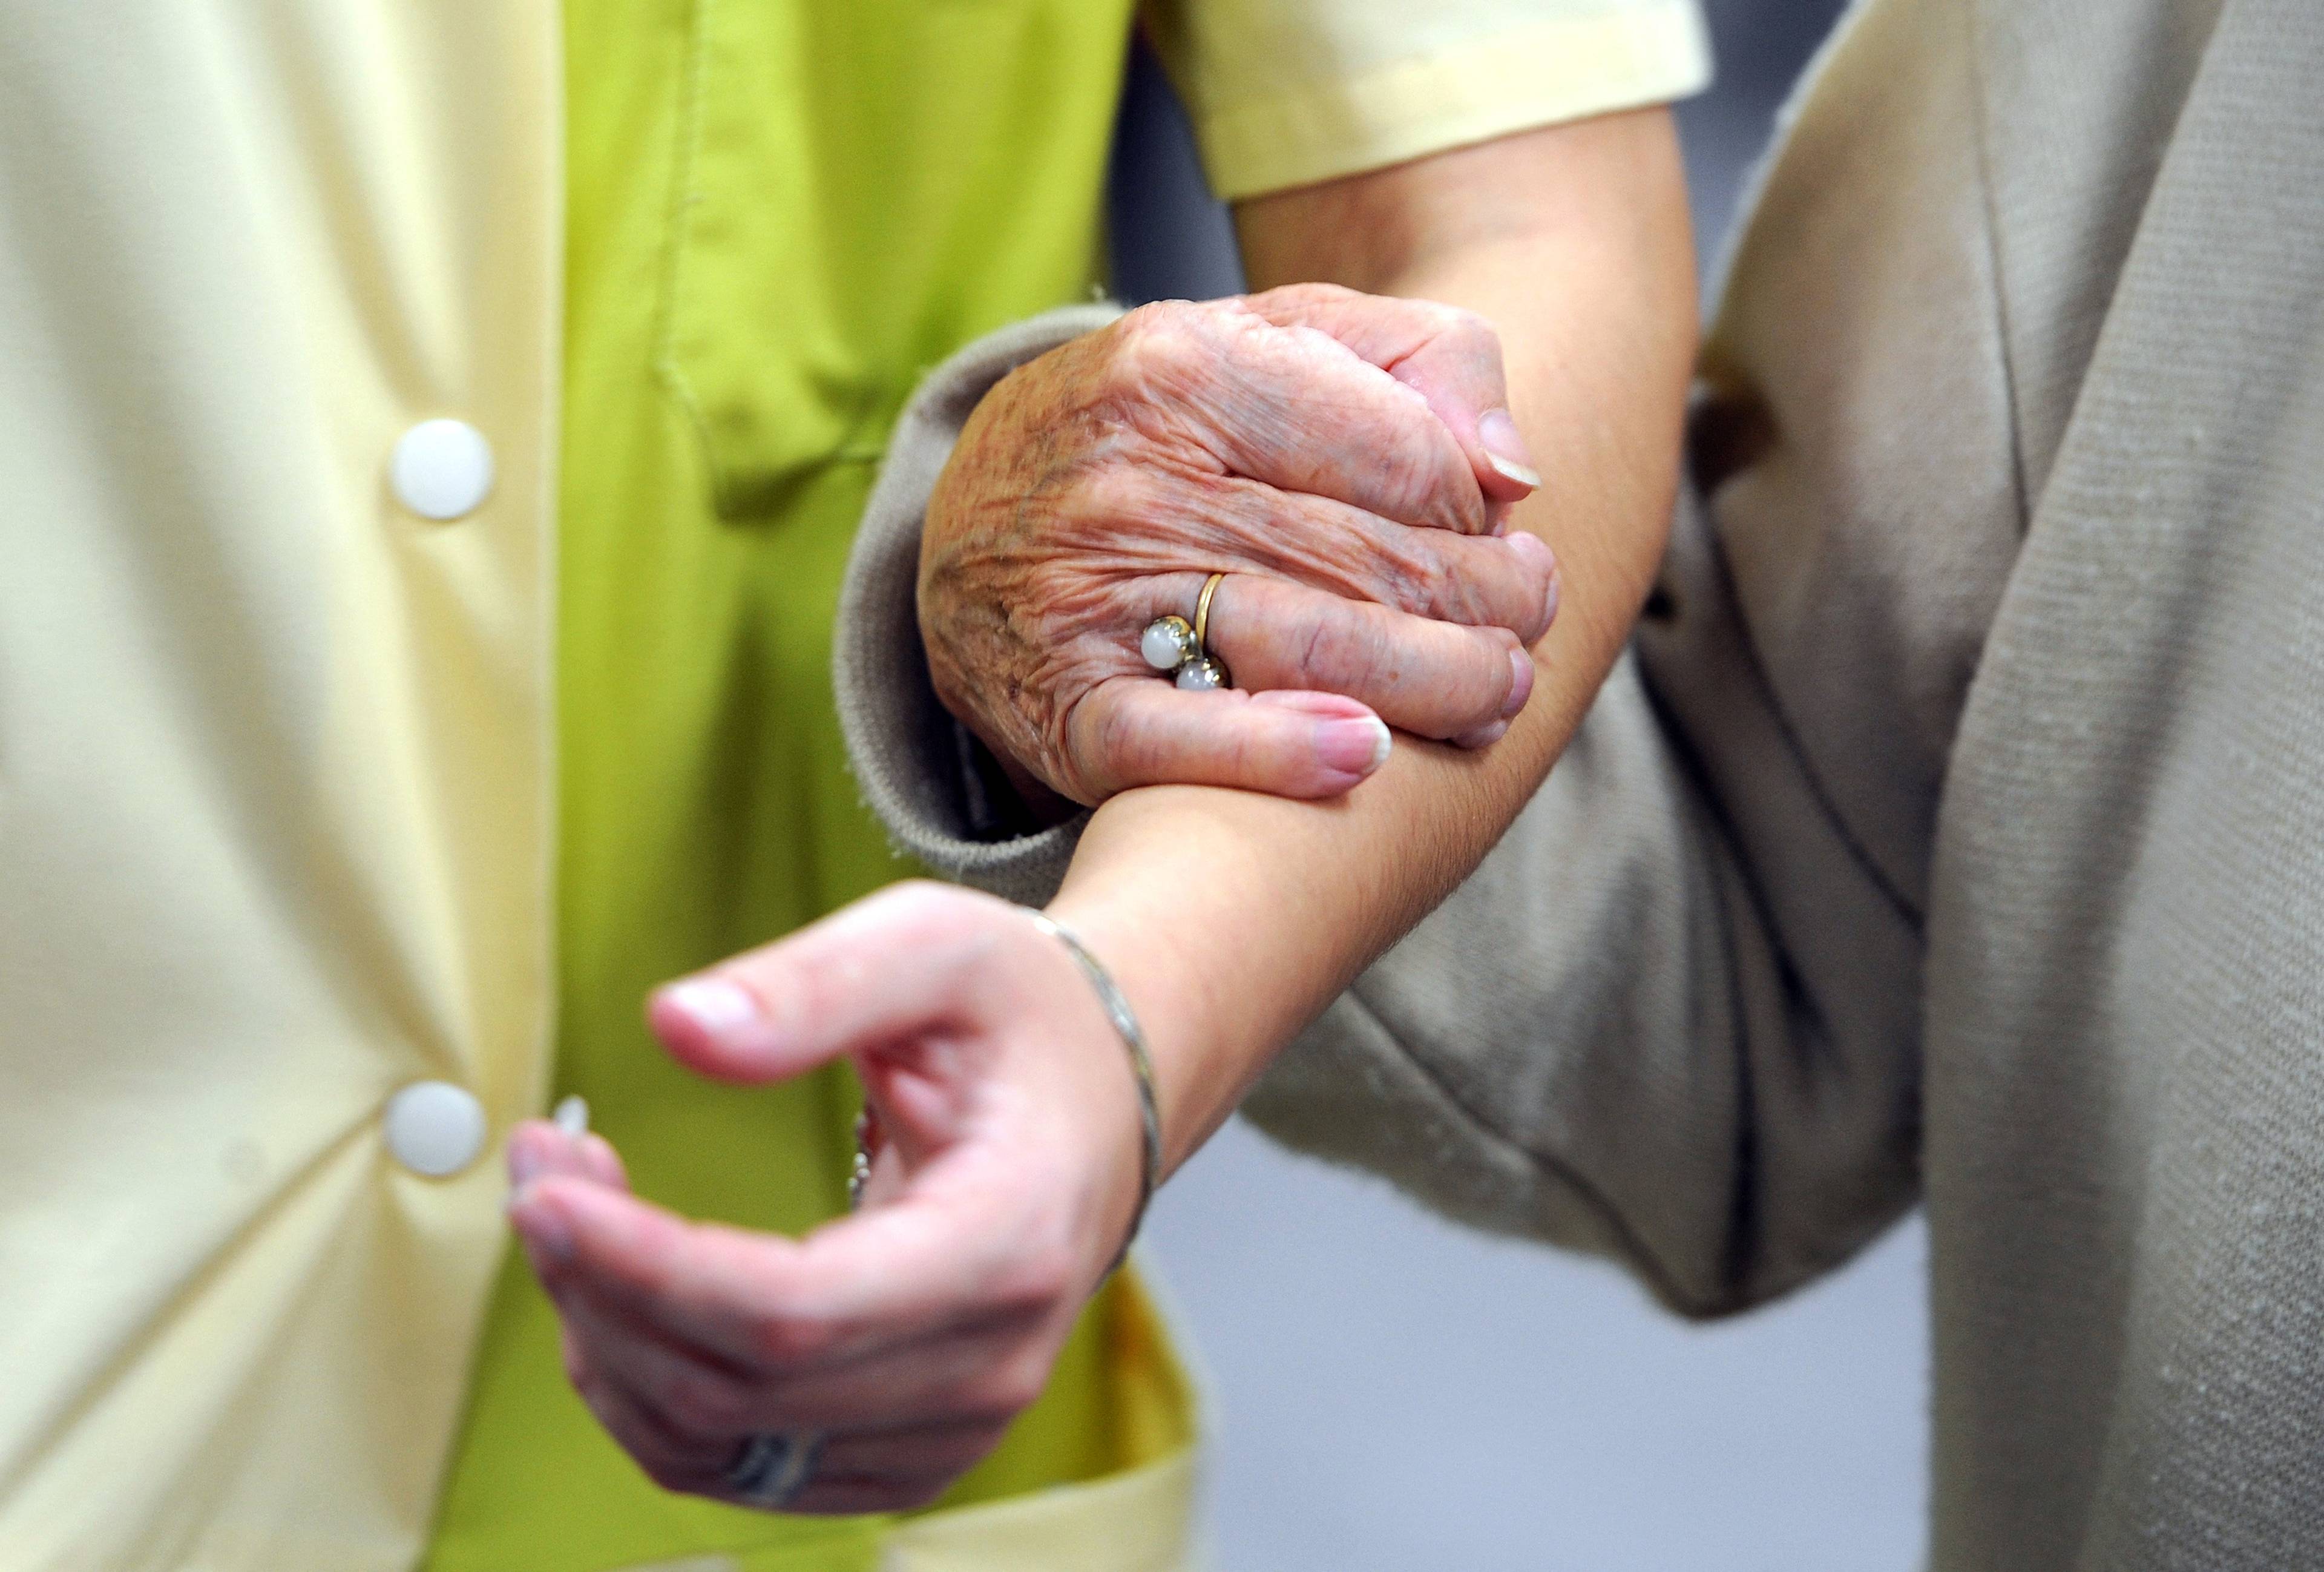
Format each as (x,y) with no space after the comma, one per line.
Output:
(543,1228)
(572,1117)
(1357,746)
(1505,449)
(713,1003)
(1520,684)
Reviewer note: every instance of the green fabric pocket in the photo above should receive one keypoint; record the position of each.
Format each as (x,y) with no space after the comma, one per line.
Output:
(862,186)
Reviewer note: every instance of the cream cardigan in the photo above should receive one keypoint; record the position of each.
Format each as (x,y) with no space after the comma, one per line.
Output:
(1955,831)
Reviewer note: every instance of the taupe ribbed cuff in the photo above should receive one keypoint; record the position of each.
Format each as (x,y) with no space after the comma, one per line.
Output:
(904,748)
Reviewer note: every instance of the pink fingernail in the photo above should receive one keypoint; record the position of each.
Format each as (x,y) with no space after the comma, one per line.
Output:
(1484,736)
(714,1004)
(1354,748)
(1520,684)
(1505,449)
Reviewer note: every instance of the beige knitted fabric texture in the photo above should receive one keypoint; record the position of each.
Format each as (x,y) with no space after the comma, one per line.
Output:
(1955,831)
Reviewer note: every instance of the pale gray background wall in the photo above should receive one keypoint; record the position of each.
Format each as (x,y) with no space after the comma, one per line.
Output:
(1396,1394)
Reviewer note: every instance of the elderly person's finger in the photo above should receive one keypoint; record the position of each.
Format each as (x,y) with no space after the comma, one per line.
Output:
(1432,678)
(1135,731)
(1419,672)
(1239,525)
(1221,388)
(1318,676)
(1452,357)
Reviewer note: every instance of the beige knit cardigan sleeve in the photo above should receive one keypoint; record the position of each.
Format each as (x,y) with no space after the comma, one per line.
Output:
(1616,1036)
(1953,827)
(1674,1018)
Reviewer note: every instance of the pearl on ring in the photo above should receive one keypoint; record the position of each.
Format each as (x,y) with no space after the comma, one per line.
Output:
(1204,673)
(1167,644)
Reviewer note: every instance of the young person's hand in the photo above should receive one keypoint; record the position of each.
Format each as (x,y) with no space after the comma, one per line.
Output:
(895,1344)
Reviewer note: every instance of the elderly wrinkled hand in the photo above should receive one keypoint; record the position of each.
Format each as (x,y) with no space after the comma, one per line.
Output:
(1347,461)
(889,1349)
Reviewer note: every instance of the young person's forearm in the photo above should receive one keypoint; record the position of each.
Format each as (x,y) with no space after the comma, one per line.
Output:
(1231,918)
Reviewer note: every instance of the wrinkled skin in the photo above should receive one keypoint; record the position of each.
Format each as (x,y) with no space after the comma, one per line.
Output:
(1346,459)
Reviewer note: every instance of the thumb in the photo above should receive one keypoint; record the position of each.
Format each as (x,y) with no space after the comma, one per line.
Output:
(1131,731)
(898,963)
(1450,356)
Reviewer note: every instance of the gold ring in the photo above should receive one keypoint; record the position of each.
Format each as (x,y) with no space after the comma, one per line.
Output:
(1203,614)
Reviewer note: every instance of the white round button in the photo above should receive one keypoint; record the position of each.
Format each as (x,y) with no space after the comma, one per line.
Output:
(442,469)
(434,1127)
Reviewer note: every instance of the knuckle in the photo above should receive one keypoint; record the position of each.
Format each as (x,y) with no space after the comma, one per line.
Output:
(698,1404)
(1022,1382)
(1316,292)
(1158,343)
(1466,333)
(1421,581)
(793,1340)
(1337,653)
(1038,1279)
(1105,495)
(1471,329)
(594,1397)
(1314,649)
(1488,675)
(1009,1389)
(1538,573)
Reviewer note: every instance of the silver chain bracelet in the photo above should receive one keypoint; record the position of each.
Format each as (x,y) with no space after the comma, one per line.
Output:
(1141,1064)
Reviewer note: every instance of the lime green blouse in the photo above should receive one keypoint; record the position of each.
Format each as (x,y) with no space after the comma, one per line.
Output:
(781,214)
